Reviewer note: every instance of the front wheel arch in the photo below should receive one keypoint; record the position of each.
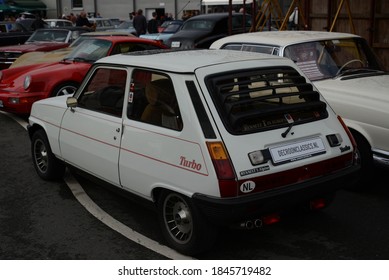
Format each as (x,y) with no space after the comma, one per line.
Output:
(46,164)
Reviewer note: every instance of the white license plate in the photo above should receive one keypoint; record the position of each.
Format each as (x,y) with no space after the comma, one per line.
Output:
(175,44)
(297,150)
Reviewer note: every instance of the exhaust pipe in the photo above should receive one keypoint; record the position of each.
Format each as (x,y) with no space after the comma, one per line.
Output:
(250,224)
(258,223)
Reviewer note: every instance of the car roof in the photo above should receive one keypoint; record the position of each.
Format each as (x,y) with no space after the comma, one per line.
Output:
(281,38)
(56,19)
(106,33)
(175,21)
(185,61)
(213,16)
(121,38)
(66,28)
(98,19)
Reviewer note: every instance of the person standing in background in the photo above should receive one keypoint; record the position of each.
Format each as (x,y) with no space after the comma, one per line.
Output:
(38,23)
(140,23)
(82,20)
(152,25)
(73,18)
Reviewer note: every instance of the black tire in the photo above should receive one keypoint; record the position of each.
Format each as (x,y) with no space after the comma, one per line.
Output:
(183,226)
(65,89)
(365,176)
(45,163)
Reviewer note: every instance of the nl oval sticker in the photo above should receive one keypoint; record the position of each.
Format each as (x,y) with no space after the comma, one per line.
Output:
(247,187)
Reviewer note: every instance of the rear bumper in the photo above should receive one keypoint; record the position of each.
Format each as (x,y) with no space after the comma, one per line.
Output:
(232,210)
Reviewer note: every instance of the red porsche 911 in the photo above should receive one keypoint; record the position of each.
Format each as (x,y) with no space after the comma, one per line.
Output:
(22,86)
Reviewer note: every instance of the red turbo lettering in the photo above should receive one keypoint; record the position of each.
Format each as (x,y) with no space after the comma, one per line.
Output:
(190,164)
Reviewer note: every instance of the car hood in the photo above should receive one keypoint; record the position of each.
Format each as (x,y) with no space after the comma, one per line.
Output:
(120,30)
(57,106)
(34,47)
(152,36)
(41,57)
(158,36)
(57,101)
(370,91)
(372,87)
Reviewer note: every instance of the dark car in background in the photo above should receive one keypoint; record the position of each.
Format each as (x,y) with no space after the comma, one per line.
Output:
(46,39)
(13,33)
(199,32)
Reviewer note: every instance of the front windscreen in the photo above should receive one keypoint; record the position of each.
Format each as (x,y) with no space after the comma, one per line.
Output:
(331,58)
(90,50)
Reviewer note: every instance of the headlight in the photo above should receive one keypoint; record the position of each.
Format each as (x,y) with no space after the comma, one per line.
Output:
(27,82)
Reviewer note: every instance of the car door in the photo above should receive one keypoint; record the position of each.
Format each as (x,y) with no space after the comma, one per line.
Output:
(91,132)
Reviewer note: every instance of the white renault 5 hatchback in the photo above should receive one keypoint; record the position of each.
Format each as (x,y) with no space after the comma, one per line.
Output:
(210,137)
(348,74)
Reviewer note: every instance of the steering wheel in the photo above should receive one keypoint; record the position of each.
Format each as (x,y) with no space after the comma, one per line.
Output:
(347,63)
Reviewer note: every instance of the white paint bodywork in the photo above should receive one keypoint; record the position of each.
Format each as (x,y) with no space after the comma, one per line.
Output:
(140,157)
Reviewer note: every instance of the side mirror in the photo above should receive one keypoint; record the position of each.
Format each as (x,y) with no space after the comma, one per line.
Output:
(71,102)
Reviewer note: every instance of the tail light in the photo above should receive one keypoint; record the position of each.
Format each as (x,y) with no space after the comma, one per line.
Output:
(228,185)
(317,204)
(349,134)
(270,219)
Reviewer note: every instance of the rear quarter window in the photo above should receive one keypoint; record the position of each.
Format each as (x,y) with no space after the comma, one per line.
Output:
(153,100)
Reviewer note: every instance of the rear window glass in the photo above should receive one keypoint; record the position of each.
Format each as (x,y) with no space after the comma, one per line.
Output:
(250,48)
(263,99)
(198,24)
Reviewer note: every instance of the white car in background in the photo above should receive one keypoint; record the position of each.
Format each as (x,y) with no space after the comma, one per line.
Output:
(54,22)
(345,70)
(102,23)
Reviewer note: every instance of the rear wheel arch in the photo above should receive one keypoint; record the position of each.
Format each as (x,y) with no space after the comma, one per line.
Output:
(182,223)
(65,88)
(363,145)
(366,160)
